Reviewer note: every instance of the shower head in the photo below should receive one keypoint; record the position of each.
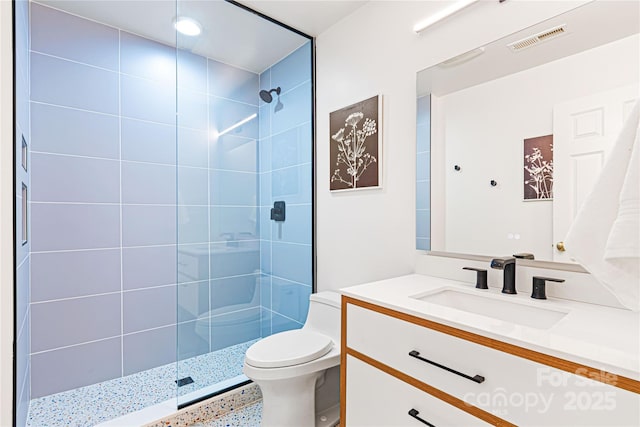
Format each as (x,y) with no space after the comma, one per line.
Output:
(266,95)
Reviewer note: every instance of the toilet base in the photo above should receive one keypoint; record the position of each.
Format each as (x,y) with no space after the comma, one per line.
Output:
(289,402)
(329,417)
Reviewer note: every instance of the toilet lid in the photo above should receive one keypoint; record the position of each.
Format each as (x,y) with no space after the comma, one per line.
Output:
(288,349)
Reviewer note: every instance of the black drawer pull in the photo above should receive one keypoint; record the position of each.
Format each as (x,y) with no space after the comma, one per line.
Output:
(476,379)
(414,413)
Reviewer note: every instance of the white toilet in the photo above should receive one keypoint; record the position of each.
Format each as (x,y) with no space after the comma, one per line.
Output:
(298,371)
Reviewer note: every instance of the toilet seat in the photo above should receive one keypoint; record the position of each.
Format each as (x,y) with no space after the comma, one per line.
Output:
(288,349)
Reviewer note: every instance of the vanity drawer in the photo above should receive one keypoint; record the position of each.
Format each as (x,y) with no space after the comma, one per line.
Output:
(375,398)
(516,389)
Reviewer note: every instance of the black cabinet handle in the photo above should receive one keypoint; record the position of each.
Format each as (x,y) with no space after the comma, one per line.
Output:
(476,379)
(414,413)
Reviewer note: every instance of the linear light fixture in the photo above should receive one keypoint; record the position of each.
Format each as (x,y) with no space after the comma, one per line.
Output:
(443,14)
(237,125)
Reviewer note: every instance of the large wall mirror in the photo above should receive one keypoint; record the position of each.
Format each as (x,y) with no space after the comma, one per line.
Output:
(511,136)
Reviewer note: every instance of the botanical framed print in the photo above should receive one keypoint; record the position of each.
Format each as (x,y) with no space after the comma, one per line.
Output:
(538,168)
(356,146)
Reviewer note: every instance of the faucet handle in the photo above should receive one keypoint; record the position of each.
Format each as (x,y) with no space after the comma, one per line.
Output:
(539,283)
(481,277)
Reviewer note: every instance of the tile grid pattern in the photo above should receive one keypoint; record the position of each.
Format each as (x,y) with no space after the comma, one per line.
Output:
(285,158)
(423,174)
(23,177)
(105,211)
(107,173)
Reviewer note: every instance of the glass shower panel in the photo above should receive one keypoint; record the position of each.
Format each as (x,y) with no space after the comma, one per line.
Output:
(241,276)
(286,153)
(102,218)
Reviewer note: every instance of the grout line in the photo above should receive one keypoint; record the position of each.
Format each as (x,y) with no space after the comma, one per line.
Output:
(299,125)
(259,279)
(77,297)
(47,153)
(29,161)
(290,281)
(24,261)
(50,55)
(209,177)
(235,171)
(69,107)
(74,345)
(103,249)
(27,314)
(291,167)
(122,291)
(230,312)
(292,243)
(165,205)
(44,202)
(296,86)
(234,277)
(121,233)
(24,388)
(286,317)
(271,113)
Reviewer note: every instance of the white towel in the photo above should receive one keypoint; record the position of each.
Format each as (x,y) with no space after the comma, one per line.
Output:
(623,245)
(604,236)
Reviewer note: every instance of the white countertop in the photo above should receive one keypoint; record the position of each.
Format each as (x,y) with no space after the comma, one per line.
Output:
(597,336)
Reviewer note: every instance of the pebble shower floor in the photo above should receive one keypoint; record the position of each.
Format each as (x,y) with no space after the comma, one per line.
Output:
(94,404)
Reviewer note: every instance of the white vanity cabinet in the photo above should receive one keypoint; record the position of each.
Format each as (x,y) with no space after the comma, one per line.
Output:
(380,399)
(395,362)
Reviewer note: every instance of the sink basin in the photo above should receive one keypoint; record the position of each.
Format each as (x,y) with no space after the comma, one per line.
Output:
(496,307)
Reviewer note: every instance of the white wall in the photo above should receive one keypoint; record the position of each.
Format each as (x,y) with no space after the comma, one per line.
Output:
(370,235)
(484,127)
(6,215)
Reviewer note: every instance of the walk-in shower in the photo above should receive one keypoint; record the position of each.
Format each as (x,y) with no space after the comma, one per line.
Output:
(150,262)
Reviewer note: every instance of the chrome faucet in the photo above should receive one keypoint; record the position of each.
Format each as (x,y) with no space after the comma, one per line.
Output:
(508,266)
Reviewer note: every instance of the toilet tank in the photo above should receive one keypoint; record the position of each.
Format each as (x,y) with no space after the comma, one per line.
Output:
(324,314)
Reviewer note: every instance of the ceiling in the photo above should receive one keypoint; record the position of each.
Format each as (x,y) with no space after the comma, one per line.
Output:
(590,25)
(312,17)
(230,34)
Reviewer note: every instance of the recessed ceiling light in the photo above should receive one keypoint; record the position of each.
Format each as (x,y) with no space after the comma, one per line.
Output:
(187,26)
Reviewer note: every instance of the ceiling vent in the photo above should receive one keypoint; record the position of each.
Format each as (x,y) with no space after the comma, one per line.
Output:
(536,39)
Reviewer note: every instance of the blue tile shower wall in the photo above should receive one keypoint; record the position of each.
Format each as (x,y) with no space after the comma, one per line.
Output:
(423,173)
(23,242)
(285,159)
(118,204)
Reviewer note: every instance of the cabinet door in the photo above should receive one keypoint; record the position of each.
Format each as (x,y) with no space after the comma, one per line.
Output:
(516,389)
(375,398)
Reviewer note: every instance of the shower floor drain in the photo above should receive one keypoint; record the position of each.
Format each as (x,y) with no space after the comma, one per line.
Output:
(184,381)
